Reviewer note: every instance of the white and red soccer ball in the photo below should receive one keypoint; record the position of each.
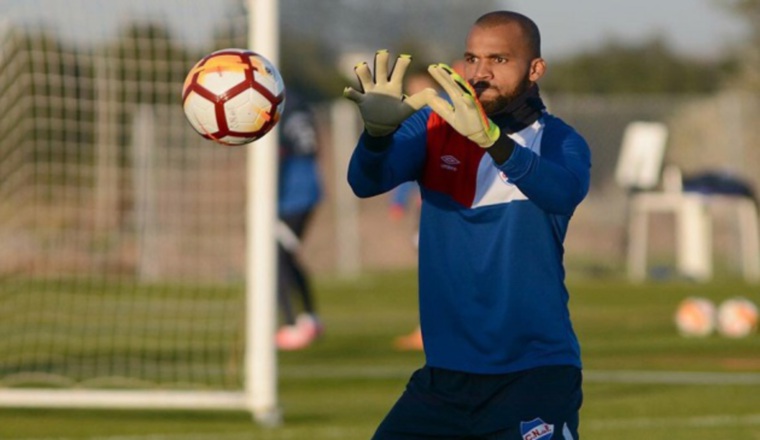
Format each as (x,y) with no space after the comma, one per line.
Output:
(695,317)
(737,318)
(233,96)
(734,318)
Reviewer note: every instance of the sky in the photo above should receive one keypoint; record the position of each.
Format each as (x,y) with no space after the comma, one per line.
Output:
(697,28)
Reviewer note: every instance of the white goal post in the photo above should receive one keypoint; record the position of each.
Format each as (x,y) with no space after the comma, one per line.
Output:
(260,358)
(138,261)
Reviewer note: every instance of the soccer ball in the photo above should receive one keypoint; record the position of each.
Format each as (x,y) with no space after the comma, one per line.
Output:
(695,317)
(233,96)
(737,318)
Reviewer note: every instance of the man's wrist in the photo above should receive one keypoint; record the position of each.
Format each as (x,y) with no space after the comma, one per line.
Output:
(377,144)
(502,149)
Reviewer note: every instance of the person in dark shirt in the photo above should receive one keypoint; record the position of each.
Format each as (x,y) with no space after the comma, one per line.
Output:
(299,193)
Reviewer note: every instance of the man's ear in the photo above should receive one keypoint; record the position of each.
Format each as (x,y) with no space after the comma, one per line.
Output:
(537,69)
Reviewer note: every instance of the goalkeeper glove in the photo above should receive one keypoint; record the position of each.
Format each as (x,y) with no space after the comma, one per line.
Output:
(381,102)
(464,113)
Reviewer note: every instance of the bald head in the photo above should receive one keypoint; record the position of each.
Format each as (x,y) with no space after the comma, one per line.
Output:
(527,26)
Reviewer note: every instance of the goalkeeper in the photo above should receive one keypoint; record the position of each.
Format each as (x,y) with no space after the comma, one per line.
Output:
(500,179)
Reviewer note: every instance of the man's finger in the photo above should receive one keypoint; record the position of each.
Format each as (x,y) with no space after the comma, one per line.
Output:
(364,76)
(397,74)
(353,94)
(421,98)
(443,108)
(461,82)
(381,66)
(443,78)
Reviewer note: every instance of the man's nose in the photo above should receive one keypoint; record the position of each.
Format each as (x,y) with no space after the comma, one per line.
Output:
(480,71)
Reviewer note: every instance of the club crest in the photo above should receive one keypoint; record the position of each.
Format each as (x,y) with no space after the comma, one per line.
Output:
(536,429)
(503,177)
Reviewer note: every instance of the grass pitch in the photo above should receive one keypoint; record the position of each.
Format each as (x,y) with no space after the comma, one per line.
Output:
(642,380)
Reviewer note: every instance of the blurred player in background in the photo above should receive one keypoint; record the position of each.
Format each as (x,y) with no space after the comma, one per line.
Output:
(299,192)
(500,179)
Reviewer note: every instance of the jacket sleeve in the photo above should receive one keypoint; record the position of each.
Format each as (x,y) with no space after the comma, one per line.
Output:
(380,164)
(558,179)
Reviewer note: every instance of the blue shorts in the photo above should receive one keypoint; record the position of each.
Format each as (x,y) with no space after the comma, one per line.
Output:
(537,404)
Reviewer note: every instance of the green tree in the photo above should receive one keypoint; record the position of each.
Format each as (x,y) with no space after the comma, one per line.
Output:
(748,73)
(649,67)
(146,59)
(308,65)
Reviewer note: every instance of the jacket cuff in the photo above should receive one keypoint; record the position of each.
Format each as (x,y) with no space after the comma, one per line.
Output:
(502,149)
(377,144)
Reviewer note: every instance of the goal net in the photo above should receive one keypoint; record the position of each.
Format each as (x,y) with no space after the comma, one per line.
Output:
(123,257)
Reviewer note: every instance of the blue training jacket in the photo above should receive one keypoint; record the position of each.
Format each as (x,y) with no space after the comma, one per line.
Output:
(491,279)
(299,178)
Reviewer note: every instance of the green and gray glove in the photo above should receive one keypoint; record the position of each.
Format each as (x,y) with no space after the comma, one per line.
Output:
(464,113)
(381,101)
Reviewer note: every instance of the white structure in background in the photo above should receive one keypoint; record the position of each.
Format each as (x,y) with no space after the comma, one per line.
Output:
(638,170)
(344,126)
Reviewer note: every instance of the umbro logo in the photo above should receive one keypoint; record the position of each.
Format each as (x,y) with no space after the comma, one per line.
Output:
(449,162)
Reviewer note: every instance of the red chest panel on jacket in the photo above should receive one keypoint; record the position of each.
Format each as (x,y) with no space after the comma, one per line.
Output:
(452,162)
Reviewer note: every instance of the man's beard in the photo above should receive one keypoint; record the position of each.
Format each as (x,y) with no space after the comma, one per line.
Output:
(501,102)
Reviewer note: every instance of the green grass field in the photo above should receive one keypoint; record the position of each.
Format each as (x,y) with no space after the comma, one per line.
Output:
(642,380)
